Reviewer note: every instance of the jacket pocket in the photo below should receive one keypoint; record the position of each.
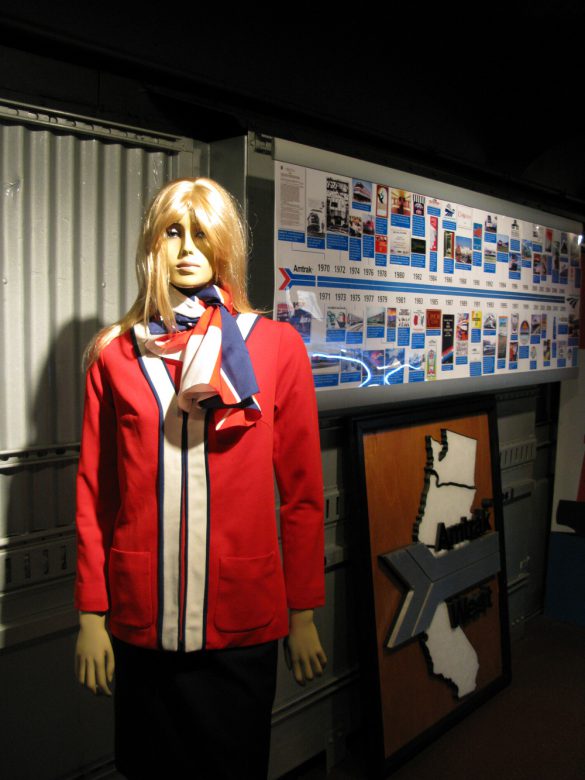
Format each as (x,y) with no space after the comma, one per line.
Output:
(130,591)
(246,595)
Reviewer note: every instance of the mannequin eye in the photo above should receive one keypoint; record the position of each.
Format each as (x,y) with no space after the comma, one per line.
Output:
(174,231)
(199,234)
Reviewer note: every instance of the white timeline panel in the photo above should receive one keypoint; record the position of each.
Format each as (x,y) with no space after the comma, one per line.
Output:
(388,285)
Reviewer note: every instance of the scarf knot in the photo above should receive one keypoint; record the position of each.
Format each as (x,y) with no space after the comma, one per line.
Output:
(217,369)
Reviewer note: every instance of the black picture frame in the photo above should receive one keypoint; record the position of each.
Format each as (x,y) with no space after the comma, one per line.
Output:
(411,417)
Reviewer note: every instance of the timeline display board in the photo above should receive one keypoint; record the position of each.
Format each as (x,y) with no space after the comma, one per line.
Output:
(388,286)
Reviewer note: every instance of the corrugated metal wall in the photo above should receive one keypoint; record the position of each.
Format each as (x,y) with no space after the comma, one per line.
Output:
(70,209)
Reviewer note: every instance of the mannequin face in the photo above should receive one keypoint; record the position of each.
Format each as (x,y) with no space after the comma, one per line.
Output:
(188,254)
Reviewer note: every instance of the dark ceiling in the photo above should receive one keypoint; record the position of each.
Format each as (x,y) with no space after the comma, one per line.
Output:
(488,97)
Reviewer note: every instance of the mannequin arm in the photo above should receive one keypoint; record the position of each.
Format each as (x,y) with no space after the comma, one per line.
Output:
(303,651)
(94,656)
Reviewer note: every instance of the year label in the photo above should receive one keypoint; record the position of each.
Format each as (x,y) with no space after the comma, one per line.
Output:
(325,296)
(324,267)
(339,269)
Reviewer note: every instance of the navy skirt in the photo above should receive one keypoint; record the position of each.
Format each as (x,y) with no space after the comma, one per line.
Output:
(205,714)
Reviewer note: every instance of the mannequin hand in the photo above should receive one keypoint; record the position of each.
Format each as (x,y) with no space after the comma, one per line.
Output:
(302,648)
(94,656)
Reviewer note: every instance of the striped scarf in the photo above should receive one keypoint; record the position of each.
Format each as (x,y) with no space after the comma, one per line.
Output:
(217,370)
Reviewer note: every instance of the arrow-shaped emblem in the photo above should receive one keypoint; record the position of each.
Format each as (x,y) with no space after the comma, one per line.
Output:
(431,579)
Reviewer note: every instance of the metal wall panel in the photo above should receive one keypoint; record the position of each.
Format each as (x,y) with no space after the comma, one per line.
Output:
(70,210)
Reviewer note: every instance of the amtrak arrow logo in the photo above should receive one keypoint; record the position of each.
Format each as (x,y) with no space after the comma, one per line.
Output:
(431,579)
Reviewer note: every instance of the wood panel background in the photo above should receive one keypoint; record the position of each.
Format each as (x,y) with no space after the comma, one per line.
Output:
(413,699)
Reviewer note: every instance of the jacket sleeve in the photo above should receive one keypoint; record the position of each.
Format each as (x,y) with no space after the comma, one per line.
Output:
(97,492)
(297,464)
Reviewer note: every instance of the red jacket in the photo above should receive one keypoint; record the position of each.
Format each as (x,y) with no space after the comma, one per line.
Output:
(177,535)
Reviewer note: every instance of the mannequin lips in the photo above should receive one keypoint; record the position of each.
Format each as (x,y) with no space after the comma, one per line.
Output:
(187,265)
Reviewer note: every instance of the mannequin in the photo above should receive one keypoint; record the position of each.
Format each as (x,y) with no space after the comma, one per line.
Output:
(191,399)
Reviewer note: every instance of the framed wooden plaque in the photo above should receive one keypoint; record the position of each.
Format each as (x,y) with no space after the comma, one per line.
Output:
(435,622)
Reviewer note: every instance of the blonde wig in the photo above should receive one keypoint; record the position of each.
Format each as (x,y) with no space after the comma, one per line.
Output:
(212,210)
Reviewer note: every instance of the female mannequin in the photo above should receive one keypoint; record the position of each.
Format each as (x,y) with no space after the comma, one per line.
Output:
(188,409)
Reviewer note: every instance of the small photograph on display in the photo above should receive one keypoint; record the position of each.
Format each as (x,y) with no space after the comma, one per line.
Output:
(503,243)
(355,226)
(489,254)
(539,264)
(433,233)
(489,348)
(489,323)
(546,350)
(418,246)
(524,332)
(368,226)
(381,201)
(463,250)
(361,192)
(513,351)
(376,318)
(401,202)
(462,329)
(491,223)
(350,363)
(449,243)
(316,222)
(323,363)
(433,319)
(300,319)
(502,337)
(514,321)
(337,206)
(336,318)
(391,318)
(355,322)
(431,360)
(373,368)
(535,324)
(461,349)
(514,263)
(418,205)
(381,245)
(418,320)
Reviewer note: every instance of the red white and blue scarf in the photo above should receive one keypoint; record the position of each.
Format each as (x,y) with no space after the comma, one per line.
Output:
(217,370)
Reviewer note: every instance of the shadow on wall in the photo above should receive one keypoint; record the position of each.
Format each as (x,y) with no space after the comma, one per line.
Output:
(37,489)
